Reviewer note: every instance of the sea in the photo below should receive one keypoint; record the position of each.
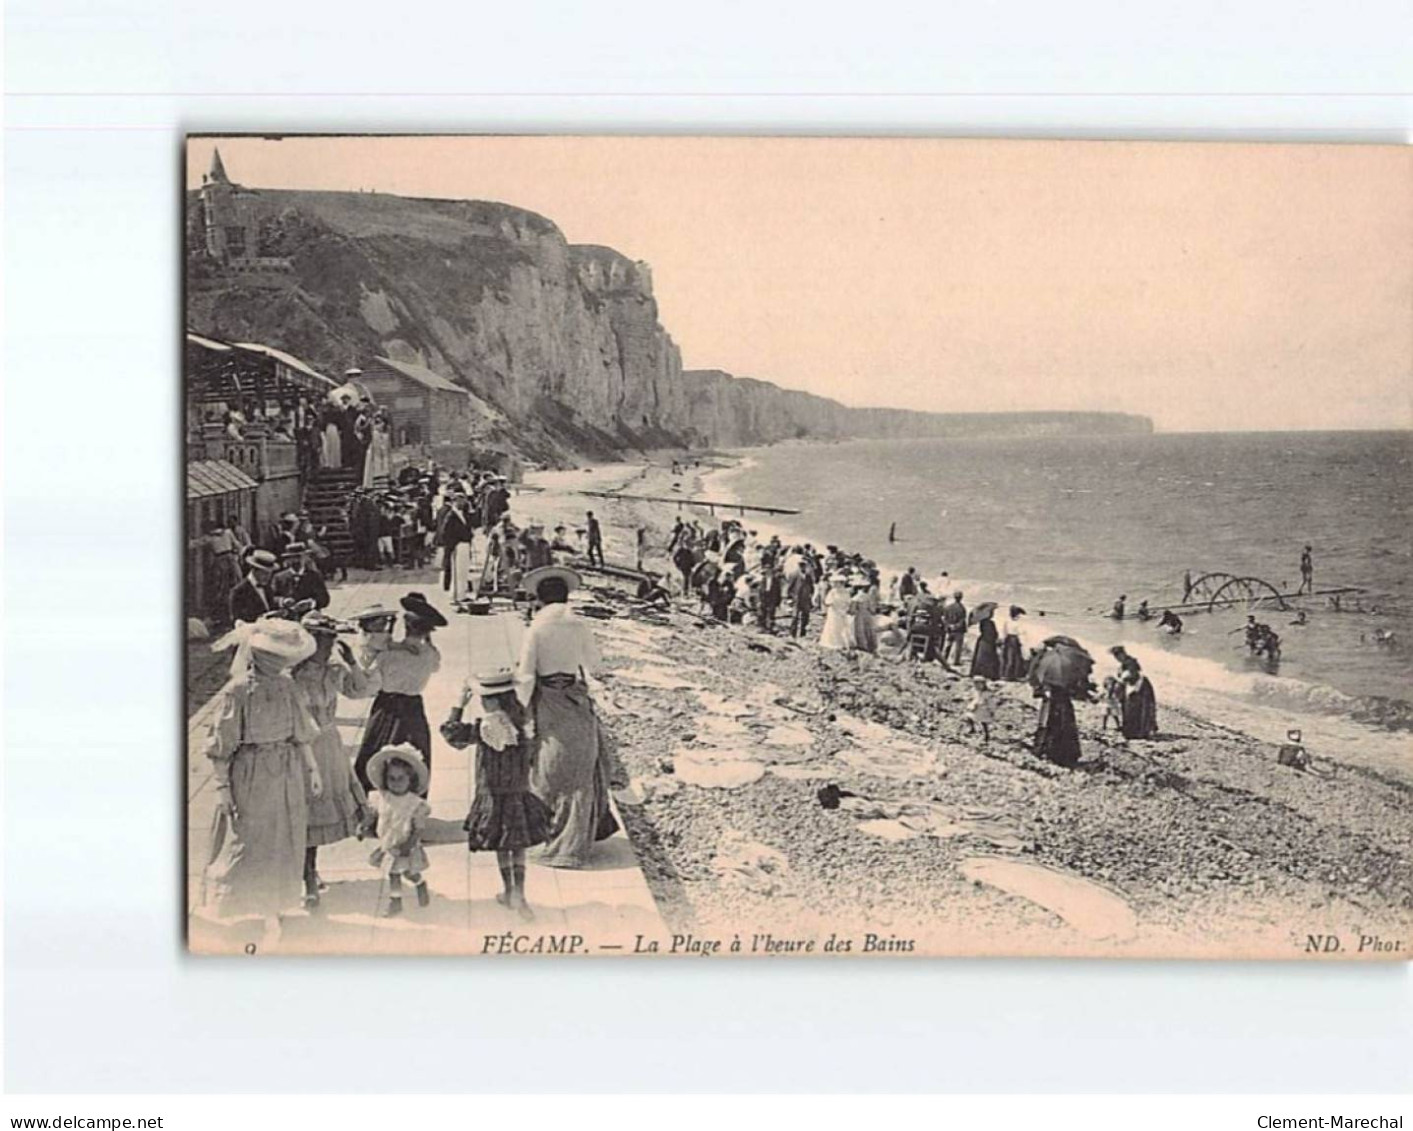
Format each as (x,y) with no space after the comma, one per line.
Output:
(1065,525)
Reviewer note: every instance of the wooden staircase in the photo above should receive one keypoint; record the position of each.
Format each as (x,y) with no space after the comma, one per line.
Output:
(326,500)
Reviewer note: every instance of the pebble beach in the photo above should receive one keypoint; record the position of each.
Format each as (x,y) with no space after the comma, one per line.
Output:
(793,800)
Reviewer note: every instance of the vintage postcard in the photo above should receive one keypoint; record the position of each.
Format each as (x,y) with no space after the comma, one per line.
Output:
(798,547)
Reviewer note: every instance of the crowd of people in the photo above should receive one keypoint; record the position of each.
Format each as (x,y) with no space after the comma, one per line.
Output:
(543,763)
(736,576)
(286,786)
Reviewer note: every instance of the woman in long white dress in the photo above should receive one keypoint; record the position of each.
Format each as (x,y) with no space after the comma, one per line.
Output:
(838,617)
(265,775)
(377,464)
(330,444)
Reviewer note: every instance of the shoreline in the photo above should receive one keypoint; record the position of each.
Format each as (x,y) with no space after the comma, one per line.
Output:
(1215,849)
(1264,709)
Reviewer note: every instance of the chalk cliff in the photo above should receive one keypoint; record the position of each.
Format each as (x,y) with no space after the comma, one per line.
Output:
(564,341)
(729,411)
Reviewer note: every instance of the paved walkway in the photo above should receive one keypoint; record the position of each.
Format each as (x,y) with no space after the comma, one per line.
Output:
(606,906)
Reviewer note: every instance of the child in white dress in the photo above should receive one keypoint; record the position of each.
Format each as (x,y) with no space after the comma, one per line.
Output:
(398,773)
(981,708)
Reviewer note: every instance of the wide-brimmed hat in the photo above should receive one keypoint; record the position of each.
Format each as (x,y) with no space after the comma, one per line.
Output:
(532,580)
(419,607)
(406,752)
(294,549)
(493,682)
(373,612)
(271,637)
(320,624)
(262,559)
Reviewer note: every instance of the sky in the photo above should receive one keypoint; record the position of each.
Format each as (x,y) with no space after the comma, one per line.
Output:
(1211,286)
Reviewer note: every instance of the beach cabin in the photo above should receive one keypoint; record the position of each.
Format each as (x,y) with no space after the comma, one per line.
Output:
(427,409)
(216,491)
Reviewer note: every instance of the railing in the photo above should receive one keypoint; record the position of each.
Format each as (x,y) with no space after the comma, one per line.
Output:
(258,453)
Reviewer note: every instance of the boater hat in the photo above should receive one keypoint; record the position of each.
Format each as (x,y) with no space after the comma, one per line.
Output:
(531,581)
(373,612)
(416,604)
(293,550)
(262,559)
(406,752)
(493,683)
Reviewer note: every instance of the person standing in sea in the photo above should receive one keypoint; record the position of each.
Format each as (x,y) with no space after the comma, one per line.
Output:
(1307,571)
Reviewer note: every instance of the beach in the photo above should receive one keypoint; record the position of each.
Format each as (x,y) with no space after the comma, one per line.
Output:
(1195,844)
(788,800)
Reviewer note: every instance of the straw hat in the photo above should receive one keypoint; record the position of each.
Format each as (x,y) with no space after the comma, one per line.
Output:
(262,559)
(531,581)
(406,752)
(273,638)
(283,639)
(493,682)
(373,612)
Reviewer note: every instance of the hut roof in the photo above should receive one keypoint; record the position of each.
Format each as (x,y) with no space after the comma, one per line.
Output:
(207,477)
(421,375)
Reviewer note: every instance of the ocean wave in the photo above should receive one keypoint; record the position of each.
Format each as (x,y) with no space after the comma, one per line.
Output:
(1275,692)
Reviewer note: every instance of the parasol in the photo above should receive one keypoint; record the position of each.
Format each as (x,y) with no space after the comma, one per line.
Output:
(984,611)
(1062,663)
(345,395)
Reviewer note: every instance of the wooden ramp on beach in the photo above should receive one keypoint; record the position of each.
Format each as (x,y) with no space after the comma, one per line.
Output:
(710,504)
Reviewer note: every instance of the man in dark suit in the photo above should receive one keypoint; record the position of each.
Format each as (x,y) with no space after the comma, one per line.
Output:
(954,619)
(595,540)
(299,581)
(802,598)
(454,530)
(252,598)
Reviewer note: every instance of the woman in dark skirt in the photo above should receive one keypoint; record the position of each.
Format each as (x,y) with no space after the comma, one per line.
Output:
(505,816)
(1057,734)
(400,670)
(986,658)
(1013,664)
(571,771)
(1140,705)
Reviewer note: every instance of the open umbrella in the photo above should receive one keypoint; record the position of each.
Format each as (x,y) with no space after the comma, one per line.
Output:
(984,611)
(1063,664)
(344,395)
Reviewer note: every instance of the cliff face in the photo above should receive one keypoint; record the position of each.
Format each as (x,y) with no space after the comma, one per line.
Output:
(563,341)
(729,411)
